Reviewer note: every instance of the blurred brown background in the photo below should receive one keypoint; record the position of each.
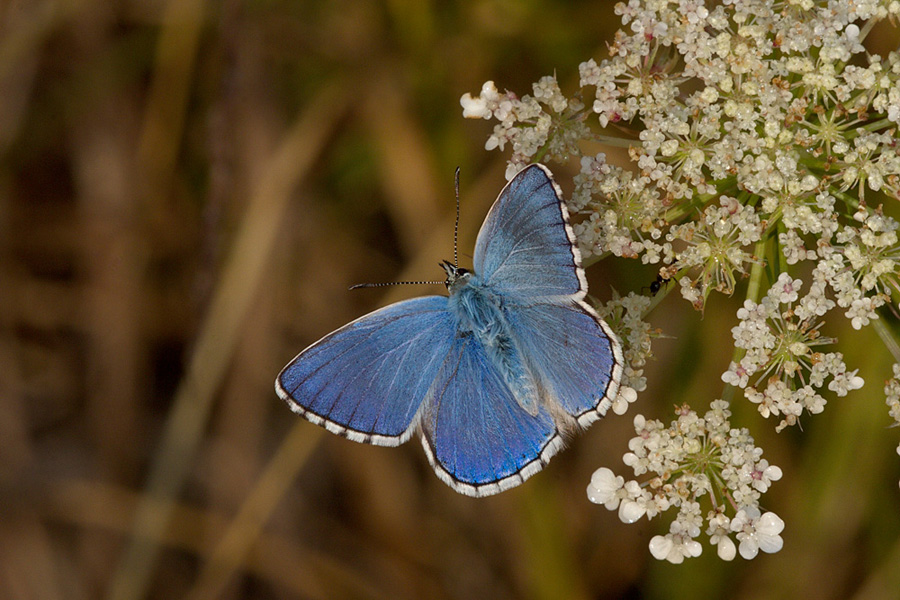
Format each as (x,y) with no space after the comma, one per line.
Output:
(187,188)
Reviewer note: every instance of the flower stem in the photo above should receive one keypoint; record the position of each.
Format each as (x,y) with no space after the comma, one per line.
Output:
(885,334)
(753,286)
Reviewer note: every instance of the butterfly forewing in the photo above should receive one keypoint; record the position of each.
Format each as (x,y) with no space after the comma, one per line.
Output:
(367,380)
(525,246)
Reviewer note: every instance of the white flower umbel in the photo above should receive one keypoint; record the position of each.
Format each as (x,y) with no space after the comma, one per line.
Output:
(623,212)
(545,122)
(780,113)
(678,544)
(695,460)
(714,248)
(762,140)
(782,371)
(626,316)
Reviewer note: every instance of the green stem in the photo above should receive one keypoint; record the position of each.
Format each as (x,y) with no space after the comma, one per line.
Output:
(757,271)
(876,125)
(782,259)
(885,334)
(616,141)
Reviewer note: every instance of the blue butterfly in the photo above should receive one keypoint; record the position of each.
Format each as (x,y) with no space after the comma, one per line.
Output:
(494,377)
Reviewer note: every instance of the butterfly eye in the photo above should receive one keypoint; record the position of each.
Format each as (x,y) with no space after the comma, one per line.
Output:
(453,272)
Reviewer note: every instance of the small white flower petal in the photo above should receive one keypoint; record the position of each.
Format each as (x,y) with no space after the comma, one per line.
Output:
(474,108)
(630,511)
(749,549)
(770,524)
(767,529)
(692,548)
(726,548)
(661,546)
(603,487)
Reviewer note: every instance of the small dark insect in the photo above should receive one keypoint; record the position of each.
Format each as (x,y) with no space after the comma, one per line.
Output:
(657,284)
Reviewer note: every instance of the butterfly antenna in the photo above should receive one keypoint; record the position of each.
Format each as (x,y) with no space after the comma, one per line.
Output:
(387,283)
(455,254)
(456,225)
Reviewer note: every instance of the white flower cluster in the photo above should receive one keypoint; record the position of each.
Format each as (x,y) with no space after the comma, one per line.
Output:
(544,124)
(862,265)
(745,102)
(626,316)
(779,336)
(694,459)
(763,142)
(624,223)
(714,247)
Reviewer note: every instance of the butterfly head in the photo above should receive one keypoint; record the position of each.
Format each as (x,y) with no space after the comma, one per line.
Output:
(456,276)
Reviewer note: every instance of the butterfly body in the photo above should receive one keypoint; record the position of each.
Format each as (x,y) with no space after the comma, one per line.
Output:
(479,311)
(495,374)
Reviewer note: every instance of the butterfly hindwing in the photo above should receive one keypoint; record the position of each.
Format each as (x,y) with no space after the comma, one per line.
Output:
(478,438)
(578,358)
(525,246)
(367,380)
